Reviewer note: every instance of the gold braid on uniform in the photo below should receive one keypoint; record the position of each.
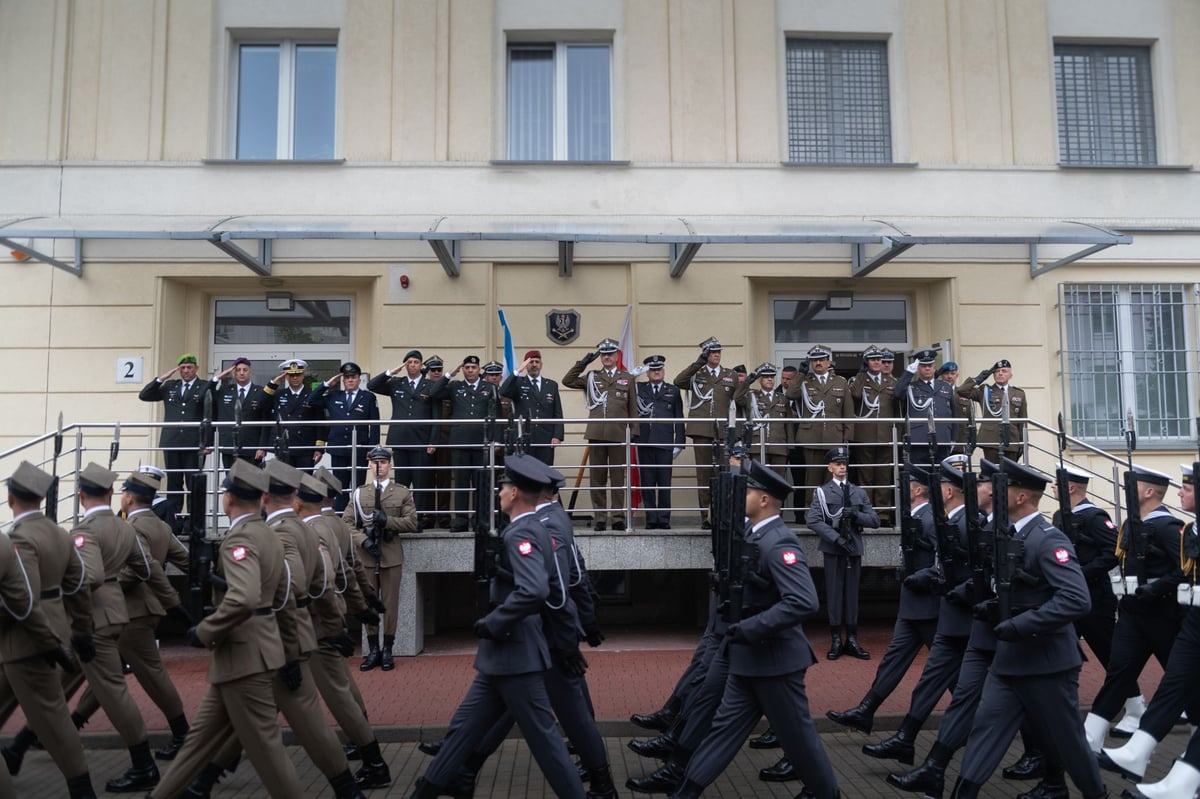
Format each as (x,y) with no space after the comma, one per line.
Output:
(1120,550)
(1188,565)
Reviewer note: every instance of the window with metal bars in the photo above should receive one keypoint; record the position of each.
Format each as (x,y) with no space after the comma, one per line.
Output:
(838,109)
(1129,347)
(1105,105)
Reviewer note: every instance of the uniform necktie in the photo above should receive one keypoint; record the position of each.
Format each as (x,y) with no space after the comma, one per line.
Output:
(187,387)
(242,394)
(656,389)
(537,384)
(414,385)
(350,398)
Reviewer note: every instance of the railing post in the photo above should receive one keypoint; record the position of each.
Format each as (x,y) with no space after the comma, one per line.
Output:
(896,487)
(628,476)
(78,469)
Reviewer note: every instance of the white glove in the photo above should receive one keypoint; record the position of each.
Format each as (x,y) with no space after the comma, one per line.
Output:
(639,370)
(912,368)
(676,452)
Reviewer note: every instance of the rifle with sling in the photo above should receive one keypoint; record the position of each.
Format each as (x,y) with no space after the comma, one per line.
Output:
(487,539)
(282,437)
(1007,551)
(52,493)
(1062,486)
(978,549)
(946,533)
(908,525)
(114,448)
(1131,536)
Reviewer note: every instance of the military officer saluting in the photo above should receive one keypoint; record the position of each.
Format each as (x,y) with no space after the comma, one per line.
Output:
(183,405)
(242,401)
(536,397)
(872,400)
(920,392)
(772,406)
(991,402)
(823,400)
(609,393)
(658,443)
(416,402)
(348,444)
(712,388)
(471,398)
(382,521)
(290,394)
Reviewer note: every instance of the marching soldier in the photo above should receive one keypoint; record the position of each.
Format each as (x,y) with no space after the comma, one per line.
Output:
(822,395)
(1035,673)
(243,636)
(768,403)
(290,394)
(991,403)
(536,397)
(658,443)
(712,388)
(55,576)
(916,621)
(609,393)
(919,391)
(382,508)
(414,399)
(513,653)
(839,512)
(119,548)
(470,398)
(147,603)
(358,582)
(183,405)
(768,652)
(348,444)
(244,400)
(871,393)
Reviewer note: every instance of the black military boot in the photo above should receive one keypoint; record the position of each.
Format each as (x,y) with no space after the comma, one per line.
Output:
(965,789)
(389,661)
(14,753)
(768,740)
(431,748)
(600,783)
(1047,789)
(1030,766)
(689,790)
(373,656)
(852,647)
(201,787)
(179,731)
(782,771)
(662,780)
(660,747)
(835,647)
(344,786)
(660,720)
(374,772)
(142,774)
(899,746)
(81,787)
(928,778)
(861,717)
(351,752)
(424,789)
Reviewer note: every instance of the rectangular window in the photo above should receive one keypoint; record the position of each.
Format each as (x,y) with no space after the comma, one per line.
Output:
(838,109)
(1128,349)
(1105,105)
(559,102)
(285,101)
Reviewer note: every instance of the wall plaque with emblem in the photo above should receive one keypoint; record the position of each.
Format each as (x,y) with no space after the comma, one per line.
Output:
(562,327)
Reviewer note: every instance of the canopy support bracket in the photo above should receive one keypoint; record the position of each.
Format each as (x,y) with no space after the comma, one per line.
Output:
(260,265)
(681,256)
(449,254)
(38,255)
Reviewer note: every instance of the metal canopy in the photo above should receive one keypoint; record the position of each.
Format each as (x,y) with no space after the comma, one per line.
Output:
(872,242)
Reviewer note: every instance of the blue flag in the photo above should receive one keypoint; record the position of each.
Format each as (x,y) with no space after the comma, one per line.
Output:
(510,356)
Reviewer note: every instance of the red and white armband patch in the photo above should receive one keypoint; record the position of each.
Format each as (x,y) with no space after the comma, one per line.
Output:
(1108,523)
(238,553)
(789,558)
(1062,555)
(524,548)
(80,540)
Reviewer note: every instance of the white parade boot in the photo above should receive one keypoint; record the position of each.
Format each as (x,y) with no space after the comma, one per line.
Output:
(1095,728)
(1132,758)
(1181,782)
(1134,708)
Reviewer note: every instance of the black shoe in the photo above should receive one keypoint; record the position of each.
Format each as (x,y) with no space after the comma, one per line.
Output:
(835,648)
(860,718)
(1031,766)
(431,748)
(768,740)
(81,787)
(458,527)
(619,525)
(443,523)
(1045,791)
(704,523)
(387,660)
(600,784)
(660,720)
(782,771)
(896,747)
(662,780)
(664,526)
(599,527)
(352,752)
(659,747)
(134,780)
(373,775)
(172,748)
(201,787)
(853,649)
(929,779)
(12,759)
(373,658)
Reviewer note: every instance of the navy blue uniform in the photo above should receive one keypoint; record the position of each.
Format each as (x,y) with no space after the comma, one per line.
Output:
(916,394)
(410,442)
(349,462)
(293,406)
(655,442)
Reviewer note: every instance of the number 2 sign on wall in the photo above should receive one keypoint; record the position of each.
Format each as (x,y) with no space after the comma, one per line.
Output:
(129,369)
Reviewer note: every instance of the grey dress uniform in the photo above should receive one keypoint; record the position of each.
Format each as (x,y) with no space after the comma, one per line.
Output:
(183,408)
(656,442)
(843,561)
(916,395)
(537,398)
(608,395)
(244,638)
(510,664)
(1035,672)
(768,657)
(712,392)
(822,405)
(872,400)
